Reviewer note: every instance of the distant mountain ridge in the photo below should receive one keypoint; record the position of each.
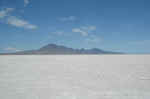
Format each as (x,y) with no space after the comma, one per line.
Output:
(59,49)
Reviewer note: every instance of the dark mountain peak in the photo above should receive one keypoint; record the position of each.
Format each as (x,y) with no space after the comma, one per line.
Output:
(52,46)
(82,49)
(96,49)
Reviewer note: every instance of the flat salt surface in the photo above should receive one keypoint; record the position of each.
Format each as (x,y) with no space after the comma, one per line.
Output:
(75,77)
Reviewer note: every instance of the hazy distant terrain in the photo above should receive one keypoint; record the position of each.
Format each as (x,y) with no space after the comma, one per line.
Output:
(75,77)
(53,49)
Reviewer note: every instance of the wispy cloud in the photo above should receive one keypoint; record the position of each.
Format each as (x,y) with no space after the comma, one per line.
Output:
(59,32)
(69,18)
(5,12)
(84,30)
(89,28)
(93,39)
(11,49)
(140,42)
(14,21)
(26,2)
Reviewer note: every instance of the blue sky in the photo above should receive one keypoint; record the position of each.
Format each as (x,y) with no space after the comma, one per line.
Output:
(116,25)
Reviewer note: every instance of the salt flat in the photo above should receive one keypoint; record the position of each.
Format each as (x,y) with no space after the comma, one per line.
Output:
(75,77)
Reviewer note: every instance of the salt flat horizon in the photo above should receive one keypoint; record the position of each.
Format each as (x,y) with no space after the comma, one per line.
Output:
(75,76)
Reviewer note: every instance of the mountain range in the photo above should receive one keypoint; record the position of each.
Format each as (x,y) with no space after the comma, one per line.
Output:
(59,49)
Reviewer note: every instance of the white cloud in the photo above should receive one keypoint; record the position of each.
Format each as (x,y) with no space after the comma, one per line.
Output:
(26,2)
(89,28)
(5,12)
(14,21)
(84,30)
(7,18)
(92,28)
(69,18)
(12,49)
(93,39)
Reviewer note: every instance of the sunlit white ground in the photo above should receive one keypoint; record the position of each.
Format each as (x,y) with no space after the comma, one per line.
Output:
(75,77)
